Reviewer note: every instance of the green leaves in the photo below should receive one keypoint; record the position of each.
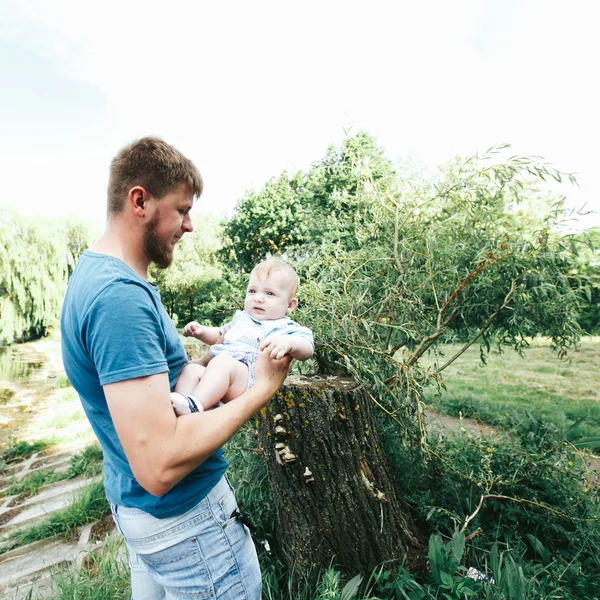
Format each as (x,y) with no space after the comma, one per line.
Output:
(270,221)
(447,572)
(193,287)
(36,259)
(445,558)
(333,203)
(469,257)
(350,590)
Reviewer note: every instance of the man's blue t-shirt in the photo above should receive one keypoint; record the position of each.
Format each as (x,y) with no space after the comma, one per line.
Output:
(114,328)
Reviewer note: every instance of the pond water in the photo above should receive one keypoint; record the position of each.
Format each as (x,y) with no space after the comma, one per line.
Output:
(21,386)
(16,364)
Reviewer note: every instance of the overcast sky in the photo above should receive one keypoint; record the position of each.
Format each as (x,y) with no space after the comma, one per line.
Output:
(248,89)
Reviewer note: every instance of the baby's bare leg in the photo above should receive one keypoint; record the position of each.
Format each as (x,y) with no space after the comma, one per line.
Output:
(224,379)
(189,377)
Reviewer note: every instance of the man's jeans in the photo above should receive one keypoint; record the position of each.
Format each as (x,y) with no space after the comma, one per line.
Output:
(205,553)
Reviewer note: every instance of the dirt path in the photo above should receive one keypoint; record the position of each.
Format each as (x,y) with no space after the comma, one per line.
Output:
(448,424)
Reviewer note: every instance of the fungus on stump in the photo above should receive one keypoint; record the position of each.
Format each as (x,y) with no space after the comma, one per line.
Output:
(336,501)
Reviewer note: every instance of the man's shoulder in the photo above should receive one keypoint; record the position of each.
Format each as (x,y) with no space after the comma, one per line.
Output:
(104,288)
(103,266)
(98,274)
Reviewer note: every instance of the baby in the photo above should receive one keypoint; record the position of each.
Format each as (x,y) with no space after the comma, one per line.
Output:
(261,326)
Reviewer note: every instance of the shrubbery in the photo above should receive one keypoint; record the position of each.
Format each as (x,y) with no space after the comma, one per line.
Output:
(391,269)
(535,533)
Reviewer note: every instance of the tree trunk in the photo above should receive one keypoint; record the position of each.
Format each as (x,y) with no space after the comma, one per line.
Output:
(336,501)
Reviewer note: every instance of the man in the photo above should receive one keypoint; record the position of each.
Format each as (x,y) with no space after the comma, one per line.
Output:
(164,476)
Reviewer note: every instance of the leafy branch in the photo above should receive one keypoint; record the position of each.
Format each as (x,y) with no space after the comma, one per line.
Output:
(486,326)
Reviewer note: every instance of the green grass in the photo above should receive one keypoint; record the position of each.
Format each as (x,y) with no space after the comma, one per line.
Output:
(68,395)
(20,450)
(104,574)
(90,505)
(62,381)
(87,463)
(565,393)
(29,485)
(64,419)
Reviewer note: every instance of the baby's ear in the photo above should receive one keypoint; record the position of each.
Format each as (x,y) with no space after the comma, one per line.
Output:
(292,304)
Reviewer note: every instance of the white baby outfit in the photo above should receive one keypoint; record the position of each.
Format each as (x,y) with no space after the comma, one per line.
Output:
(244,334)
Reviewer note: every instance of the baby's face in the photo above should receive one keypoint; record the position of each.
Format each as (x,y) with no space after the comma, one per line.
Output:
(269,297)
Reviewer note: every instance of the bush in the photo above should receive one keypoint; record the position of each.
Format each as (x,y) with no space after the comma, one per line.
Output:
(538,520)
(528,495)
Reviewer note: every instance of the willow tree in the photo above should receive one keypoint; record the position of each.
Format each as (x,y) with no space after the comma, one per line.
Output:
(392,268)
(587,278)
(35,260)
(458,259)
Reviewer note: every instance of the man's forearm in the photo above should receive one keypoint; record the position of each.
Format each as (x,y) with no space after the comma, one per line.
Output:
(199,435)
(162,449)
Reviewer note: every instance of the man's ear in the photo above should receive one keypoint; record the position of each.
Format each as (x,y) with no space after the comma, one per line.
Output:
(292,304)
(137,199)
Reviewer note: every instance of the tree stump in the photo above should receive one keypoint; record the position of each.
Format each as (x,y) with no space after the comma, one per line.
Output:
(336,501)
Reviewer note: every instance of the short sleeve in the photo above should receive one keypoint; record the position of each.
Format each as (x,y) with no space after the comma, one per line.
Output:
(123,333)
(292,328)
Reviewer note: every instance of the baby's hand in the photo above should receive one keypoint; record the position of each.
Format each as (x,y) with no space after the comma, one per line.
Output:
(278,346)
(193,329)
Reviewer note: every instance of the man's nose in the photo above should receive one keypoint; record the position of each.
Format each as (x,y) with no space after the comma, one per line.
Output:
(187,224)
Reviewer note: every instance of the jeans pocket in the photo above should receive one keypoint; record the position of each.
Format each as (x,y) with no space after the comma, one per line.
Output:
(181,569)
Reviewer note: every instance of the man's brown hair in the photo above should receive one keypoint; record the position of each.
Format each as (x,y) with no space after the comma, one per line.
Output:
(152,164)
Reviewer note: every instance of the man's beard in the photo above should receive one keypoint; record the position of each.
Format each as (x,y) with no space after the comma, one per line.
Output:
(158,253)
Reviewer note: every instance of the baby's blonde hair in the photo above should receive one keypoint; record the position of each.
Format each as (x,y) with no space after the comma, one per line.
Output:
(277,265)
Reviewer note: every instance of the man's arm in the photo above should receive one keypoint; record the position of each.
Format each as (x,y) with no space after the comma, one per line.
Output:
(161,448)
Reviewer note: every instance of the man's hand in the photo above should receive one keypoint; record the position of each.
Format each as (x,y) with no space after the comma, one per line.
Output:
(277,346)
(270,373)
(193,329)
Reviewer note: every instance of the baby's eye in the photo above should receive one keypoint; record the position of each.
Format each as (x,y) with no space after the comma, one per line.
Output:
(251,291)
(270,294)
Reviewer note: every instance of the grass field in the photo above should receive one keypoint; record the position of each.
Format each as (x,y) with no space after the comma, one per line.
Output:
(546,478)
(564,392)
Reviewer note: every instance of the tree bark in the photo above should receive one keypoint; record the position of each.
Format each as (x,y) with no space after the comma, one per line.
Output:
(336,500)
